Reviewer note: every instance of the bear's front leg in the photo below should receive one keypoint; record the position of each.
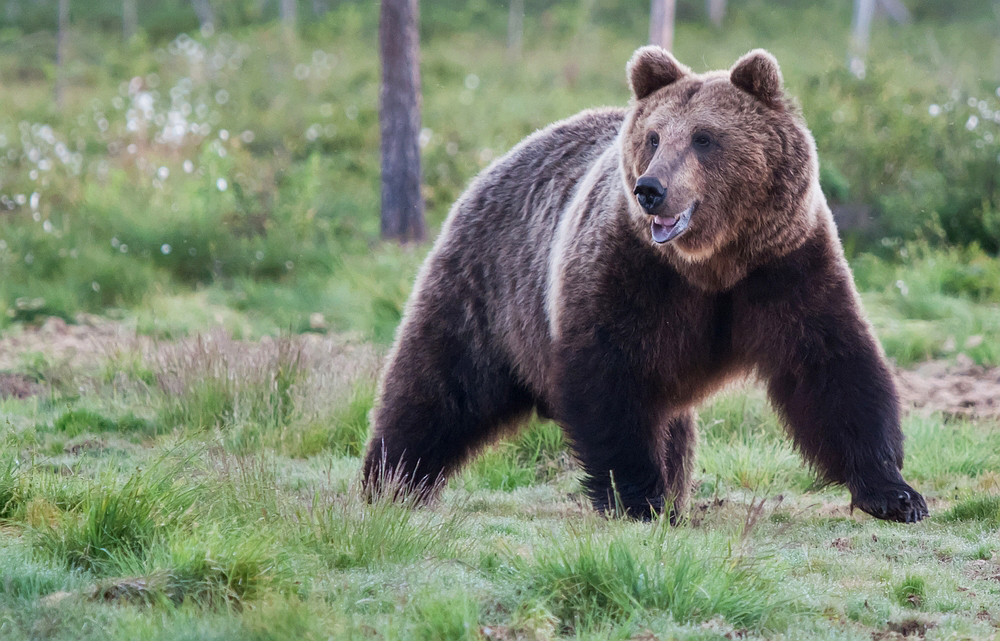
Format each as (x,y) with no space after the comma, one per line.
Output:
(826,376)
(604,406)
(843,411)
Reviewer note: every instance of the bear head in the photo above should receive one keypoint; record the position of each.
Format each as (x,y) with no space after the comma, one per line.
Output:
(720,168)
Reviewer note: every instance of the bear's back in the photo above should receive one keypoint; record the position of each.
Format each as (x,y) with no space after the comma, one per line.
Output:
(494,248)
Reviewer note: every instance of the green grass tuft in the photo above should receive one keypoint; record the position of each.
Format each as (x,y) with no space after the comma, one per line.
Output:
(76,422)
(911,592)
(349,432)
(353,533)
(985,509)
(536,455)
(13,491)
(206,567)
(214,381)
(445,618)
(116,519)
(588,578)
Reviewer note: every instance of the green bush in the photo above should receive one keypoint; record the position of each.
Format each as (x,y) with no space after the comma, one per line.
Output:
(925,157)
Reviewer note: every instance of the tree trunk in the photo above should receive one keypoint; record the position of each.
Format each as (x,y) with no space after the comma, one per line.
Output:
(861,27)
(203,9)
(290,14)
(130,19)
(515,29)
(62,43)
(661,23)
(399,121)
(716,12)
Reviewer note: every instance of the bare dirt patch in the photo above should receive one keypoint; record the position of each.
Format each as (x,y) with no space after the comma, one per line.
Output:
(984,570)
(908,629)
(14,385)
(842,544)
(961,389)
(34,357)
(87,342)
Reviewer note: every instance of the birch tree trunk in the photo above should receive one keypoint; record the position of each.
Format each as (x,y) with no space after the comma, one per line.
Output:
(206,16)
(62,44)
(661,23)
(130,19)
(399,121)
(515,29)
(861,28)
(716,12)
(290,14)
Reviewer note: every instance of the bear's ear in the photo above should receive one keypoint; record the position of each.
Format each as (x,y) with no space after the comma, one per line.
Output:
(652,68)
(758,74)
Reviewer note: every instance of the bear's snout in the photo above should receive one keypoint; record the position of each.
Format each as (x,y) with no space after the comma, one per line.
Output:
(649,192)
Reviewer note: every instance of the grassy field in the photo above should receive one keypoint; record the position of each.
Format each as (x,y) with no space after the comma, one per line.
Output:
(195,319)
(205,488)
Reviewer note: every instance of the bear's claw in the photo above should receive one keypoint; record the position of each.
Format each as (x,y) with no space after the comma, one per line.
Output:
(902,504)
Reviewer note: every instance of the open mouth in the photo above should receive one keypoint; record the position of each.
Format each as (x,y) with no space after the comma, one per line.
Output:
(665,228)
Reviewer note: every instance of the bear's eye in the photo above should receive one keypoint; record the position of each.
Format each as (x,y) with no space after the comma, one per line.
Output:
(701,140)
(654,140)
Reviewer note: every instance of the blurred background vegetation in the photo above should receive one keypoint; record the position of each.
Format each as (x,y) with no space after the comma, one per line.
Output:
(226,170)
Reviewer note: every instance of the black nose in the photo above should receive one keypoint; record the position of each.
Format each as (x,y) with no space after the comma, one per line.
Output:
(649,192)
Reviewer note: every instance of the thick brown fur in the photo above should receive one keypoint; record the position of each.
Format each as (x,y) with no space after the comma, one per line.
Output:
(547,291)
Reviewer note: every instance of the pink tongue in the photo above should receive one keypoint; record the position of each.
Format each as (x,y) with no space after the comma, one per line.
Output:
(661,228)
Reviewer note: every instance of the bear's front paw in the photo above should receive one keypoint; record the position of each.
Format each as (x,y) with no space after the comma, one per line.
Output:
(892,502)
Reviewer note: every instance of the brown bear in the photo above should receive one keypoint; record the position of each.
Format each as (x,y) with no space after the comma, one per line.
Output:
(616,268)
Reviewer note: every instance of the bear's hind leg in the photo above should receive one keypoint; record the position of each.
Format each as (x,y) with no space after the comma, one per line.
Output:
(679,442)
(438,406)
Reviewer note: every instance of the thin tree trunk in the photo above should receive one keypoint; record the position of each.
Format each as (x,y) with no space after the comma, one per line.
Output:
(290,14)
(203,9)
(130,19)
(62,44)
(861,27)
(399,121)
(515,29)
(716,12)
(661,23)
